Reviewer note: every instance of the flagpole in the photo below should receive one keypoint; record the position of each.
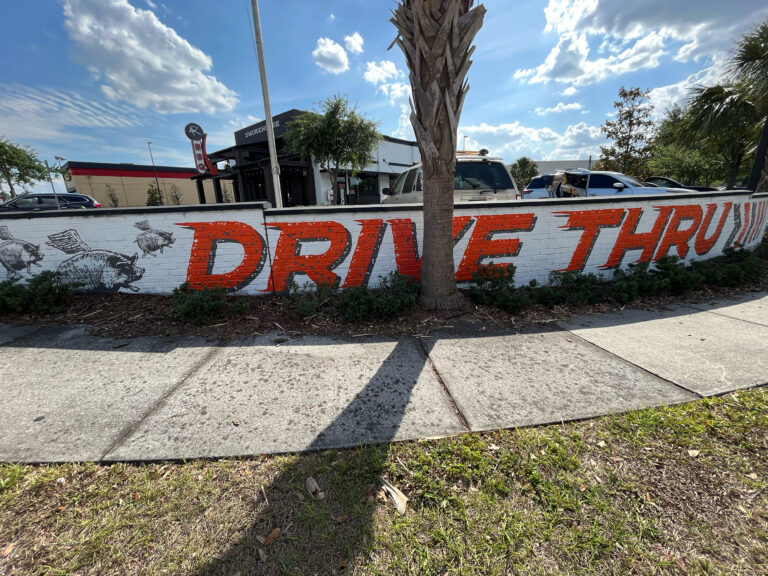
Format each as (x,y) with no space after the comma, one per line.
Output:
(275,167)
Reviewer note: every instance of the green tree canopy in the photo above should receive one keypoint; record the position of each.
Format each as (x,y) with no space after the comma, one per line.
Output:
(19,166)
(336,137)
(523,171)
(630,132)
(725,118)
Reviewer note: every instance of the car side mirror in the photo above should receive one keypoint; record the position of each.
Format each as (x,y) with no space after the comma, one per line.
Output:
(386,191)
(619,186)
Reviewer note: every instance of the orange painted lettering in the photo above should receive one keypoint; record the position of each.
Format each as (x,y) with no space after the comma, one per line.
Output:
(702,244)
(590,221)
(208,235)
(675,236)
(482,245)
(364,256)
(629,239)
(289,260)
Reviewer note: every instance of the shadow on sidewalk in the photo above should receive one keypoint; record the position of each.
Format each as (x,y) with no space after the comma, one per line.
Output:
(331,535)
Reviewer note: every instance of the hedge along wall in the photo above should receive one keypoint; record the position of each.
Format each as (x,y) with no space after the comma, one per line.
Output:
(254,251)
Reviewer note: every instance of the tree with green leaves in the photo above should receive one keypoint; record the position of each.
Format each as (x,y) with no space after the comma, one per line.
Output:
(523,171)
(725,118)
(676,154)
(436,38)
(154,196)
(749,66)
(19,166)
(336,137)
(630,132)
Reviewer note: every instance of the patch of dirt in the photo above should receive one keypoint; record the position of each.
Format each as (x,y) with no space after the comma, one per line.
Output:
(133,315)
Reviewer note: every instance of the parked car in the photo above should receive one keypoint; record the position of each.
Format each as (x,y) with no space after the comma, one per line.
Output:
(477,178)
(36,202)
(574,183)
(538,187)
(666,182)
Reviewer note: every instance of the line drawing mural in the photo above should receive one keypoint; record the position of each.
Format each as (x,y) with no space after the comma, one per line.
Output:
(94,270)
(256,252)
(17,255)
(152,240)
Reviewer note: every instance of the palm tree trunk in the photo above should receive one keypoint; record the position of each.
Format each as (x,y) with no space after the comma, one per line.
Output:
(436,38)
(758,180)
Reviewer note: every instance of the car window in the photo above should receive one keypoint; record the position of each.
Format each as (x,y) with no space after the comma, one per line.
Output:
(481,175)
(48,202)
(398,186)
(636,183)
(27,202)
(420,181)
(410,176)
(601,181)
(541,181)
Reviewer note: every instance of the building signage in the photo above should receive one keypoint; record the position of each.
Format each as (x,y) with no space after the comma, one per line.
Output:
(196,135)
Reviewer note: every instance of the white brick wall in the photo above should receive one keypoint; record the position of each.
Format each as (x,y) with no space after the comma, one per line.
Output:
(354,243)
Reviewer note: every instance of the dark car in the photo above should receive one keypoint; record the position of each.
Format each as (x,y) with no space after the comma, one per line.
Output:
(666,182)
(38,202)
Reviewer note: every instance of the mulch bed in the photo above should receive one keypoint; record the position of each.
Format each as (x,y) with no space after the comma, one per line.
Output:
(133,315)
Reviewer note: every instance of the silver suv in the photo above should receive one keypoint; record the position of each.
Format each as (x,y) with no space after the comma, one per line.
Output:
(477,178)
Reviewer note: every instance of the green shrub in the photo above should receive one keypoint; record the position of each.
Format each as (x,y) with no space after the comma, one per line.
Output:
(310,299)
(394,296)
(206,305)
(494,285)
(42,294)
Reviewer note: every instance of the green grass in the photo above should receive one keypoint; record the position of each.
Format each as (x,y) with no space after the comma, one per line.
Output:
(670,490)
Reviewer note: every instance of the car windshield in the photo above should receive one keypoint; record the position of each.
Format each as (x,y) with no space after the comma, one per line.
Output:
(480,175)
(636,183)
(541,181)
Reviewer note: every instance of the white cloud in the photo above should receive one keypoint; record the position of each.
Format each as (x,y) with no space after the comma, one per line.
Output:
(354,43)
(560,107)
(381,72)
(404,127)
(142,61)
(332,17)
(151,4)
(46,114)
(512,140)
(635,35)
(665,97)
(330,56)
(569,63)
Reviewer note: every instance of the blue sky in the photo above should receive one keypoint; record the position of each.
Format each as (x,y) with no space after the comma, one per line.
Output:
(94,80)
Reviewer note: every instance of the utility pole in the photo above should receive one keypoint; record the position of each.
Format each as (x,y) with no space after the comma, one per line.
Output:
(55,195)
(267,111)
(157,182)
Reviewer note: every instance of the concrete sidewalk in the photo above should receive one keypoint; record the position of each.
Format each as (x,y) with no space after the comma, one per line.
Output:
(70,396)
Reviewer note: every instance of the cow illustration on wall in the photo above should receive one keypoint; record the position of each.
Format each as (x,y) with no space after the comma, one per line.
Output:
(94,270)
(152,240)
(17,255)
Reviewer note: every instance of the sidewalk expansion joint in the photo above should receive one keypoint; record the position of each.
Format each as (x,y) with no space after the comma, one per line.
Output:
(675,384)
(451,401)
(694,307)
(128,431)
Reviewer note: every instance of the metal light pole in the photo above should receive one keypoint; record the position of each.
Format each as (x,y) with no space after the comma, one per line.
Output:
(267,111)
(55,195)
(157,182)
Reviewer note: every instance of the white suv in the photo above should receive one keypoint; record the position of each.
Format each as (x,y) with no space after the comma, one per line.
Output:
(477,178)
(601,183)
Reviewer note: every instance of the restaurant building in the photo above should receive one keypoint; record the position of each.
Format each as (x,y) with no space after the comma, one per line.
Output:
(246,167)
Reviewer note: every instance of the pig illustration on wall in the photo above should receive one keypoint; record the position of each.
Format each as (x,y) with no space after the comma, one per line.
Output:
(152,240)
(17,255)
(94,270)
